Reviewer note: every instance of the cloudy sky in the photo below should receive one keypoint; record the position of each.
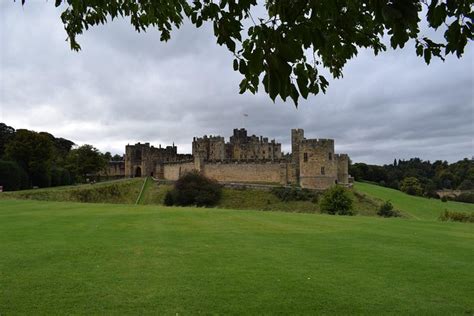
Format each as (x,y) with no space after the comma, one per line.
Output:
(125,87)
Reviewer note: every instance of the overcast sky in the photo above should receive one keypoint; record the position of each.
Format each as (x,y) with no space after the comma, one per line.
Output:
(124,87)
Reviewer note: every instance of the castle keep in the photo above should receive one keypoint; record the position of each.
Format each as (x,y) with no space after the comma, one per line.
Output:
(312,164)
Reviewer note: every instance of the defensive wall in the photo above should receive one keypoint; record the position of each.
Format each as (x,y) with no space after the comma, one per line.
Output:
(312,164)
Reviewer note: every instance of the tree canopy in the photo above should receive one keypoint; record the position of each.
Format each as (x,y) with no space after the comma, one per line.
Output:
(284,44)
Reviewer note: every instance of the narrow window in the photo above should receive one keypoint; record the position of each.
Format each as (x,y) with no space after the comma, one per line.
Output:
(330,156)
(322,170)
(305,157)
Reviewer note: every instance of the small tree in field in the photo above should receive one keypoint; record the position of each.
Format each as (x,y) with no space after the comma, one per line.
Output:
(193,188)
(411,186)
(337,200)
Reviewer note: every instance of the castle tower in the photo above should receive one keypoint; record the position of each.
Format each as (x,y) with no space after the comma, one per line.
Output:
(297,136)
(318,166)
(342,168)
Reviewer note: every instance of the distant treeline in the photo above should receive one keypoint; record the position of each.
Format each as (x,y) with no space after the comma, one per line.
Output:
(38,159)
(418,177)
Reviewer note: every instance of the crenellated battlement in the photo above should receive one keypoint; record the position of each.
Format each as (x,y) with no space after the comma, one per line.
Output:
(318,142)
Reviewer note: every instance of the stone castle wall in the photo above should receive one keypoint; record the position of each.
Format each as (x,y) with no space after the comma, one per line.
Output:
(243,172)
(172,171)
(312,164)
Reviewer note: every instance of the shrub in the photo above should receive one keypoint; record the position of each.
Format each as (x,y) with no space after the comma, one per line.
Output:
(169,198)
(444,199)
(193,188)
(467,197)
(386,210)
(295,194)
(411,186)
(457,217)
(337,200)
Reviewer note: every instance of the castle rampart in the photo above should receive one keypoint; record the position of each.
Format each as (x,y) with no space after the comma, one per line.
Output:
(312,164)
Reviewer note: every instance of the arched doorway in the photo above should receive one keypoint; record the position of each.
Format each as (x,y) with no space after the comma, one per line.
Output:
(138,172)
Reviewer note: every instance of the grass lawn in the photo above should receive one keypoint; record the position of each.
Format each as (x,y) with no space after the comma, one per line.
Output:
(413,206)
(72,258)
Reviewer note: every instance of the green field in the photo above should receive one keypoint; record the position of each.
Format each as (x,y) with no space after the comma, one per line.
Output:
(413,206)
(62,258)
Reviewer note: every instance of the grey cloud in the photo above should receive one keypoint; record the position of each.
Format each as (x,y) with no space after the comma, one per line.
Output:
(125,87)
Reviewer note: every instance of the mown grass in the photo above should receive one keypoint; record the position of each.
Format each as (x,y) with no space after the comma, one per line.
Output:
(77,258)
(412,206)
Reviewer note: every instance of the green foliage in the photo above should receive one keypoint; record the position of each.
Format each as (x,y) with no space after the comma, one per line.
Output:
(60,176)
(283,47)
(294,194)
(6,135)
(457,217)
(411,186)
(467,184)
(444,199)
(33,152)
(12,176)
(193,188)
(432,176)
(337,200)
(170,197)
(85,160)
(386,210)
(466,197)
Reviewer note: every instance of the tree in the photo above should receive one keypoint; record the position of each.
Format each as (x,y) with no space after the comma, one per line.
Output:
(337,200)
(85,160)
(284,47)
(33,152)
(411,185)
(117,157)
(6,134)
(12,177)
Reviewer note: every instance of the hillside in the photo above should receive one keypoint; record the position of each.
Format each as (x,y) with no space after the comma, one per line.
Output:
(64,257)
(123,191)
(412,206)
(253,199)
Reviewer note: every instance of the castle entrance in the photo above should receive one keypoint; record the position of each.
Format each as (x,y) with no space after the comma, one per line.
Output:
(138,172)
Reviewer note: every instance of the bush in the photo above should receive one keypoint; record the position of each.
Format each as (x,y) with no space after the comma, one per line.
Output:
(444,199)
(337,200)
(467,197)
(386,210)
(169,198)
(295,194)
(193,188)
(457,217)
(411,186)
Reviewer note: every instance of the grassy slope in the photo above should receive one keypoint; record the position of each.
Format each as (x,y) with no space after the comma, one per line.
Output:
(413,206)
(251,199)
(123,191)
(61,258)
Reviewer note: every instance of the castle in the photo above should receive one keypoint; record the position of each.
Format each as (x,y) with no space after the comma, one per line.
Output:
(312,164)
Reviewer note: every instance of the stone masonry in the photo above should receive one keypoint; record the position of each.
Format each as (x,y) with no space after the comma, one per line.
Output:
(313,163)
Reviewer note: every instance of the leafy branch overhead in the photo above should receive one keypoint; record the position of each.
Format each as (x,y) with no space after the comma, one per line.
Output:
(284,44)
